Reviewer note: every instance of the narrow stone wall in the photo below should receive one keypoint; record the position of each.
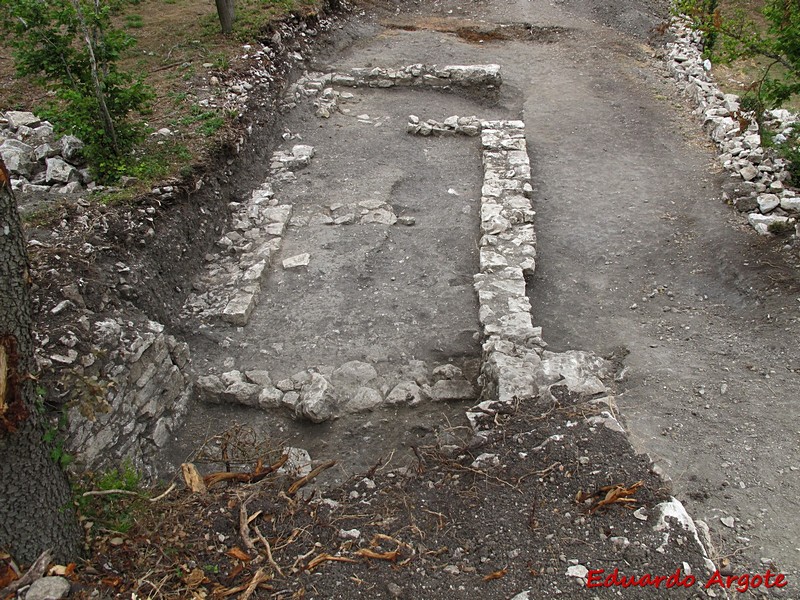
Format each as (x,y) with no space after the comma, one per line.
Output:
(760,185)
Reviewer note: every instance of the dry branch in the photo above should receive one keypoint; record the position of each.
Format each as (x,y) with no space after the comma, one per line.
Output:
(37,571)
(310,477)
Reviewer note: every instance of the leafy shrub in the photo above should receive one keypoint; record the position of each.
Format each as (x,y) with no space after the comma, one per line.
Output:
(72,44)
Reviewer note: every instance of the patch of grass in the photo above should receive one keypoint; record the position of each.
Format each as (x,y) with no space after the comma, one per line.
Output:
(115,510)
(134,21)
(209,121)
(781,228)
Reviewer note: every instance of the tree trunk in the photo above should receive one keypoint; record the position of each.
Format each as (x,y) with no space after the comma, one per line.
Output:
(36,511)
(226,14)
(99,94)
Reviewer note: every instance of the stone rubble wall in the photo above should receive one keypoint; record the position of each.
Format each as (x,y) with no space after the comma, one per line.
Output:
(36,160)
(130,390)
(230,287)
(514,365)
(319,86)
(324,392)
(759,181)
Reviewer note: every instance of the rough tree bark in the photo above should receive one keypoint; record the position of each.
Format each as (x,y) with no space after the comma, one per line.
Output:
(36,511)
(225,10)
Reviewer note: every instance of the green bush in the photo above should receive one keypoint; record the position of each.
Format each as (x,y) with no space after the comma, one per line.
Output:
(72,44)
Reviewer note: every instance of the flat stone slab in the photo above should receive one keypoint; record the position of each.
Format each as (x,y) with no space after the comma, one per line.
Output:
(299,260)
(453,390)
(238,310)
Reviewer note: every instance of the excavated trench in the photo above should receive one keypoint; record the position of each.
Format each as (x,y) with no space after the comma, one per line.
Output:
(390,223)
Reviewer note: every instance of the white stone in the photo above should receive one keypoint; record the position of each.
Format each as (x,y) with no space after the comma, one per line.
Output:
(791,204)
(270,397)
(406,392)
(299,260)
(364,399)
(450,390)
(318,401)
(762,223)
(48,588)
(768,203)
(298,462)
(60,171)
(748,172)
(238,310)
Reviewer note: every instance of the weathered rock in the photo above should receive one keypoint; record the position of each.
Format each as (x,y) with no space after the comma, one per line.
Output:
(748,172)
(270,397)
(363,400)
(768,203)
(145,401)
(237,390)
(415,370)
(240,307)
(486,461)
(48,588)
(45,151)
(299,260)
(72,149)
(291,400)
(303,153)
(406,392)
(452,390)
(17,119)
(381,216)
(318,399)
(447,371)
(60,171)
(790,204)
(298,462)
(18,157)
(259,377)
(353,374)
(580,371)
(285,385)
(767,224)
(746,203)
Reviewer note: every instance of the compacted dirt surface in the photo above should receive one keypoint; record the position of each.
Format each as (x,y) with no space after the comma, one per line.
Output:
(639,261)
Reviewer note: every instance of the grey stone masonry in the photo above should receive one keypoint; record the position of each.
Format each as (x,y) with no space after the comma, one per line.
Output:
(760,182)
(230,287)
(140,396)
(511,345)
(484,78)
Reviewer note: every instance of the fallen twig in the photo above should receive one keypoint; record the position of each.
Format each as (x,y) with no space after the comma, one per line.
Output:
(321,558)
(257,475)
(165,494)
(37,571)
(271,560)
(244,528)
(306,479)
(259,578)
(109,492)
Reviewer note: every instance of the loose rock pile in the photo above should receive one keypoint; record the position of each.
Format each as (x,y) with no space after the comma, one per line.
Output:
(760,181)
(36,160)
